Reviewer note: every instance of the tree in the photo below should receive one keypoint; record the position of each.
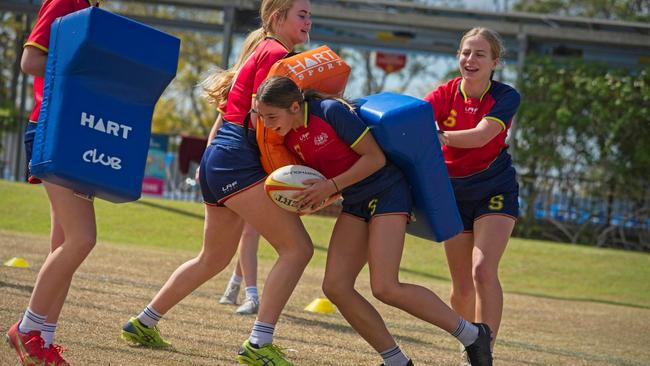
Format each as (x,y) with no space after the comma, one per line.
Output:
(585,125)
(182,109)
(11,35)
(628,10)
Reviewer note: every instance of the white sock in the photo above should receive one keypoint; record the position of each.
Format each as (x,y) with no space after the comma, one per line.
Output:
(466,332)
(234,279)
(251,291)
(31,321)
(262,333)
(47,333)
(149,317)
(394,357)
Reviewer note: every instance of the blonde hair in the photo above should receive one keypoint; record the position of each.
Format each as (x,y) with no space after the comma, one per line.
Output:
(493,38)
(216,86)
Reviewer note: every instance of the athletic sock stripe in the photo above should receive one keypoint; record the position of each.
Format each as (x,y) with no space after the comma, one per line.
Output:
(35,318)
(461,327)
(150,313)
(391,352)
(33,315)
(259,326)
(263,331)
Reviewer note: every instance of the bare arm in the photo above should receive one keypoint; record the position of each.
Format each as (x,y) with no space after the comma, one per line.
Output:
(215,127)
(372,159)
(213,133)
(478,136)
(33,61)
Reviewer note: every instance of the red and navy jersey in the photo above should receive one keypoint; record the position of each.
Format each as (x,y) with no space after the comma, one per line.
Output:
(325,143)
(249,78)
(455,111)
(40,38)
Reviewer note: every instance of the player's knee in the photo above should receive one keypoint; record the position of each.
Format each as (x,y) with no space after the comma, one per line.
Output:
(249,234)
(484,274)
(83,242)
(386,292)
(89,244)
(304,252)
(335,290)
(212,261)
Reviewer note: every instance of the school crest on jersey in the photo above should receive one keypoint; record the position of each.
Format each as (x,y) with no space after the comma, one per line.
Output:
(321,139)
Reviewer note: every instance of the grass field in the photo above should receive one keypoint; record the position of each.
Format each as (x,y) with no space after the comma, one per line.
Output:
(564,305)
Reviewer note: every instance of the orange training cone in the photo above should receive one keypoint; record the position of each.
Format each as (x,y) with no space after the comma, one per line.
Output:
(321,305)
(17,262)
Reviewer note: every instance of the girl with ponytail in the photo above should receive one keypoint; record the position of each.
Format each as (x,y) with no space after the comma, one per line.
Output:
(329,137)
(231,178)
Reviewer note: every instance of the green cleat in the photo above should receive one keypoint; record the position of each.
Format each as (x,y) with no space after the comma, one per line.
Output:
(135,333)
(269,355)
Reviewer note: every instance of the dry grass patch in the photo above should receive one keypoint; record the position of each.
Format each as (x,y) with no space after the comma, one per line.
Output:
(117,281)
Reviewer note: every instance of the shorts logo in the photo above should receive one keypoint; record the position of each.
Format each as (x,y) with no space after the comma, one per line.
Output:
(496,203)
(321,139)
(91,156)
(372,205)
(229,187)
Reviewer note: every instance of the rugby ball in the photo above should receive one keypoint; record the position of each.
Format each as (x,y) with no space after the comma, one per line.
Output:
(286,182)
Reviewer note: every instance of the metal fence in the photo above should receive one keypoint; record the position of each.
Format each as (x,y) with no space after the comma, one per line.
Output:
(582,211)
(12,151)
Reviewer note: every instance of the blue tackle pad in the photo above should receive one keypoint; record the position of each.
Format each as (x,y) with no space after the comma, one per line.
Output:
(103,77)
(404,128)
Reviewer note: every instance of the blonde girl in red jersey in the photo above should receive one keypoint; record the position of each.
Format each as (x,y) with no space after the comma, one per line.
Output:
(231,178)
(474,113)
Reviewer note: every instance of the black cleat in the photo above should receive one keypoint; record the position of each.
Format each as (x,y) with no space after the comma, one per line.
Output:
(479,352)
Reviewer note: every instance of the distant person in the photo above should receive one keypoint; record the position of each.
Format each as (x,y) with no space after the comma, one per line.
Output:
(473,114)
(372,225)
(246,270)
(232,177)
(73,231)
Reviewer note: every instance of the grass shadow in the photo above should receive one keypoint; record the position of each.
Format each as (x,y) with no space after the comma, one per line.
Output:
(170,209)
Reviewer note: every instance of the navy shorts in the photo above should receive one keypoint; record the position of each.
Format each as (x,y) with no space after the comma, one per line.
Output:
(230,164)
(493,191)
(506,204)
(30,132)
(395,199)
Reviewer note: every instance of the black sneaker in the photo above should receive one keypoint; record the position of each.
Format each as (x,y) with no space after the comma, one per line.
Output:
(479,352)
(408,364)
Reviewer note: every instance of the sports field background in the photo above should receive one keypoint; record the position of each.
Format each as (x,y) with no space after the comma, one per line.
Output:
(564,305)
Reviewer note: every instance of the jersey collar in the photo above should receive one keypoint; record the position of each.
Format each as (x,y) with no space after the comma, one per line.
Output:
(461,87)
(306,117)
(271,36)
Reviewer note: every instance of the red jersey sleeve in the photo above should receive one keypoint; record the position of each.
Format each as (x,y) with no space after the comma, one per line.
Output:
(50,10)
